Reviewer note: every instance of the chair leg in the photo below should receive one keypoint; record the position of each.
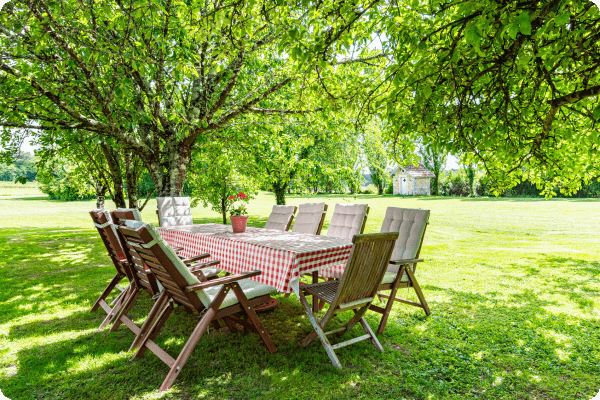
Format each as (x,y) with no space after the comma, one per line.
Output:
(260,329)
(318,331)
(195,337)
(315,300)
(123,297)
(368,330)
(418,290)
(155,330)
(160,302)
(111,285)
(126,308)
(390,302)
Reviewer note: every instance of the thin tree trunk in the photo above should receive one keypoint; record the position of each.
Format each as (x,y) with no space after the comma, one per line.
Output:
(132,176)
(114,166)
(224,210)
(279,189)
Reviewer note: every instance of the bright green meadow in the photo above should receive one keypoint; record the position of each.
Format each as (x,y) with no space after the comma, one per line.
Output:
(513,286)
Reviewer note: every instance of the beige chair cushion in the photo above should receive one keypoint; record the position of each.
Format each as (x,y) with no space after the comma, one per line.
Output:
(308,218)
(346,221)
(174,211)
(171,255)
(280,217)
(389,277)
(410,224)
(251,289)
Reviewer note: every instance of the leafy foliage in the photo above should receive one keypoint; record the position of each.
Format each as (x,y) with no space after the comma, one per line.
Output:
(217,175)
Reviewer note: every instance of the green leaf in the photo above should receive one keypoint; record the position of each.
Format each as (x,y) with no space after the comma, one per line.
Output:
(562,18)
(427,91)
(596,112)
(422,45)
(513,29)
(524,23)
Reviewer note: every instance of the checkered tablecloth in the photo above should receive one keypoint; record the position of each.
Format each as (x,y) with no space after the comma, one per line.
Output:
(281,256)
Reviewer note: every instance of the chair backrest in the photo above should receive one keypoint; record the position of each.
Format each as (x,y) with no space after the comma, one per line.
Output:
(174,211)
(105,227)
(365,268)
(281,218)
(310,218)
(120,215)
(137,269)
(348,220)
(164,263)
(410,224)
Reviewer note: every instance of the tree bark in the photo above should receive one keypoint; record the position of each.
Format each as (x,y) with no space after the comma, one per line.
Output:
(114,166)
(224,210)
(279,188)
(132,176)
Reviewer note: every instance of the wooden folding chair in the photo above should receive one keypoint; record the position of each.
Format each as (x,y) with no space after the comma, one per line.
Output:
(355,291)
(144,280)
(103,224)
(411,225)
(341,227)
(217,299)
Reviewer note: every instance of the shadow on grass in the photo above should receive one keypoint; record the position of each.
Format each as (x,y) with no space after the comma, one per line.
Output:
(475,345)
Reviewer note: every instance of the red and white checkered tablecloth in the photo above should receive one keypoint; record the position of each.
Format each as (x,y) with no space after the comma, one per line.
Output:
(281,256)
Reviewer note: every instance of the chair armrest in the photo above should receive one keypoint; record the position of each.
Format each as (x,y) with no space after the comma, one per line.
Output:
(198,267)
(196,258)
(222,281)
(403,262)
(177,249)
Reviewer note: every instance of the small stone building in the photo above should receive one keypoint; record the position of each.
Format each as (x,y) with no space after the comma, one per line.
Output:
(412,181)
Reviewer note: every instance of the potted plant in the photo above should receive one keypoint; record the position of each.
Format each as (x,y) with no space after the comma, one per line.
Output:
(237,215)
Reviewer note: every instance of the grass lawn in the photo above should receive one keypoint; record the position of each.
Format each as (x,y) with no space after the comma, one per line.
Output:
(513,285)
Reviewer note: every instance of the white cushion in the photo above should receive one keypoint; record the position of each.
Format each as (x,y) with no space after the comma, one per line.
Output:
(251,289)
(280,217)
(174,211)
(389,277)
(347,220)
(308,218)
(410,224)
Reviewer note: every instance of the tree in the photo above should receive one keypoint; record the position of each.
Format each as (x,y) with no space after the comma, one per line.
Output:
(376,155)
(470,174)
(160,79)
(511,86)
(216,175)
(434,159)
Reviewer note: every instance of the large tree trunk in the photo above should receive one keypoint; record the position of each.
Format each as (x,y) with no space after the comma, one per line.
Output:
(169,177)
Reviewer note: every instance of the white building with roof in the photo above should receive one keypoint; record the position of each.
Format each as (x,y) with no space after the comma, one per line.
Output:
(412,181)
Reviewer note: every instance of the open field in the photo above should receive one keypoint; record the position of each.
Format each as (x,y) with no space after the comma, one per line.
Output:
(513,285)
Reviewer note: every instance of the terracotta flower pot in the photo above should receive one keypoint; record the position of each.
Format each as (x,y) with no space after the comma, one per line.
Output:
(239,223)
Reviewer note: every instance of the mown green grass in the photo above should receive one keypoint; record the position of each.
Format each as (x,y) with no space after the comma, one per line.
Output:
(512,283)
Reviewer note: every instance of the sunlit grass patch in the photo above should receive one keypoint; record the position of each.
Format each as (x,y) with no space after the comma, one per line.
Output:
(514,294)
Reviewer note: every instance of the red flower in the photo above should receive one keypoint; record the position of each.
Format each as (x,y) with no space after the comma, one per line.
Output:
(230,198)
(242,196)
